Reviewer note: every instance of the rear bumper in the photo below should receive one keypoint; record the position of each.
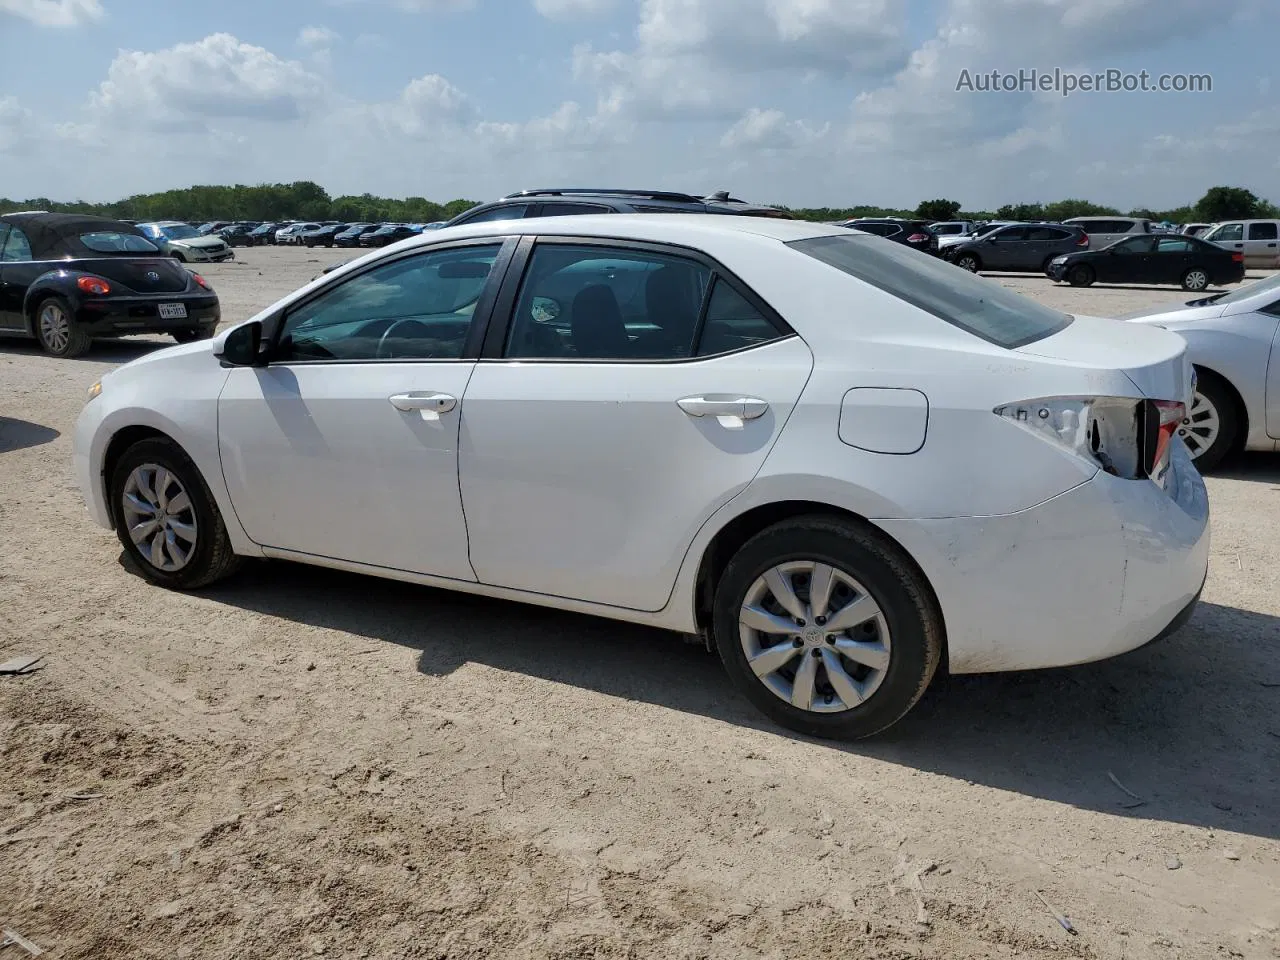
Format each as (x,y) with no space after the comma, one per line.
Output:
(1095,572)
(124,315)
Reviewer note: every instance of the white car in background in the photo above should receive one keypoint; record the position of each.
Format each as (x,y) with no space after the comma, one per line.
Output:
(952,228)
(1234,341)
(1258,240)
(982,230)
(664,420)
(185,243)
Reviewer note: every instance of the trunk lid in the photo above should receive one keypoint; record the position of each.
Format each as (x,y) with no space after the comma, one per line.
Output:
(1154,360)
(140,274)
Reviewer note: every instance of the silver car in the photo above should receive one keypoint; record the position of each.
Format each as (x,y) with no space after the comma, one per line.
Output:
(1104,231)
(184,242)
(1234,341)
(1258,240)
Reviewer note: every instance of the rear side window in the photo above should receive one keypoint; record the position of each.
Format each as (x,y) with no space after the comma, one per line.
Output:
(16,246)
(979,306)
(1262,231)
(1173,245)
(732,323)
(110,241)
(570,209)
(1046,233)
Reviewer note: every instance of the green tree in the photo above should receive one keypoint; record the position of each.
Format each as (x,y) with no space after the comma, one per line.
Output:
(938,209)
(1227,203)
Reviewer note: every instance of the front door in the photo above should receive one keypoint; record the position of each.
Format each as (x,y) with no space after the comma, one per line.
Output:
(1006,250)
(17,271)
(345,446)
(1129,261)
(610,423)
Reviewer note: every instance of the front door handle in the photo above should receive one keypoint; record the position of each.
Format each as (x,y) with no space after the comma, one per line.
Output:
(426,401)
(724,405)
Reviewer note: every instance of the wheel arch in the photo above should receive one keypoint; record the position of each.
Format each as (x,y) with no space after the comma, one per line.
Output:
(45,286)
(121,441)
(726,542)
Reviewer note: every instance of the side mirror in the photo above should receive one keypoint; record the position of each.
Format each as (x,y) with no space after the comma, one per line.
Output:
(243,346)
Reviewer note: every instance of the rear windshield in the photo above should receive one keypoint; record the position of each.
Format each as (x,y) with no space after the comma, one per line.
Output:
(108,241)
(980,306)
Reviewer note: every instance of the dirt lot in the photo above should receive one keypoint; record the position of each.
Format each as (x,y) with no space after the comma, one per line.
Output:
(301,762)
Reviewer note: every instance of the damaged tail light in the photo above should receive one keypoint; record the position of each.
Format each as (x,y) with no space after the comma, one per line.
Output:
(1124,436)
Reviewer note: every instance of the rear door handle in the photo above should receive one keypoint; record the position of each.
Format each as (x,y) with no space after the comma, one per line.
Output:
(724,405)
(428,401)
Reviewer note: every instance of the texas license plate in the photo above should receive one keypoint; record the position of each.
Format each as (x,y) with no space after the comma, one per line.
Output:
(173,311)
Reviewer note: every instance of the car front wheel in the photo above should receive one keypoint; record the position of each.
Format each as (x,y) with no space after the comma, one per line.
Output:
(1081,276)
(968,261)
(167,519)
(827,628)
(1211,425)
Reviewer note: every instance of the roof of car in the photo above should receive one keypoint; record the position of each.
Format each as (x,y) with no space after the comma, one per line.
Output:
(48,232)
(688,228)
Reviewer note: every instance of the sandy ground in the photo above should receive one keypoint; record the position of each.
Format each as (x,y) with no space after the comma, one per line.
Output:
(300,762)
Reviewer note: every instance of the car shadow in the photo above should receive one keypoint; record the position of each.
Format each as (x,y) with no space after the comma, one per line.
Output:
(1190,724)
(109,350)
(1255,466)
(20,434)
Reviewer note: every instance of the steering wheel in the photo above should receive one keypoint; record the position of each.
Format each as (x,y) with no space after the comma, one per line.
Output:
(382,341)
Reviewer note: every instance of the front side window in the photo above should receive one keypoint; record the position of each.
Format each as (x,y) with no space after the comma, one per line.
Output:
(111,241)
(982,307)
(1262,231)
(601,303)
(1227,232)
(416,308)
(1009,235)
(16,246)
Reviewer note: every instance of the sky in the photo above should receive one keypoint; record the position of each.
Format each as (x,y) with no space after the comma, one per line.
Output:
(801,102)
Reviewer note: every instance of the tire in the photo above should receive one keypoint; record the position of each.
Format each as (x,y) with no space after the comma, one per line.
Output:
(210,558)
(1195,279)
(908,624)
(190,336)
(57,331)
(1213,422)
(1081,275)
(181,258)
(968,261)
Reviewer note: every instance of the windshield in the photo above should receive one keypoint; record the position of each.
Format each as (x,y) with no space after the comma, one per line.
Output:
(980,306)
(110,241)
(179,231)
(1269,285)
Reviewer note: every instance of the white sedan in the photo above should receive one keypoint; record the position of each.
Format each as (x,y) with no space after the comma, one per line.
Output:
(1234,341)
(843,462)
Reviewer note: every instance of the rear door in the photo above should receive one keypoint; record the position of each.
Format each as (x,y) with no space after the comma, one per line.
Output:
(1173,256)
(1260,248)
(1006,249)
(635,390)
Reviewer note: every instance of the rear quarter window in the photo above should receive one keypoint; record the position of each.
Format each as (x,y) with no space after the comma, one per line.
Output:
(979,306)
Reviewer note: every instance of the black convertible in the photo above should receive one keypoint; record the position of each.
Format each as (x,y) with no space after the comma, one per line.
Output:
(1151,258)
(65,279)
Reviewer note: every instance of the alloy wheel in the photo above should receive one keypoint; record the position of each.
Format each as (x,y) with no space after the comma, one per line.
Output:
(1196,280)
(160,517)
(55,327)
(1200,429)
(814,636)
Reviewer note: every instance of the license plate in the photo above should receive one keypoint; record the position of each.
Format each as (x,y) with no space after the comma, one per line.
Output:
(173,311)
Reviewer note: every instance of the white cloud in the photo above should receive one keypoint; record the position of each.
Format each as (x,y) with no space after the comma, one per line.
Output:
(15,125)
(220,77)
(317,37)
(54,13)
(425,107)
(571,9)
(771,130)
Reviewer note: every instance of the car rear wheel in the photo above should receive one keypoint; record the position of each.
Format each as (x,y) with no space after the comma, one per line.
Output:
(968,261)
(166,518)
(1211,425)
(57,331)
(827,628)
(1195,279)
(1081,276)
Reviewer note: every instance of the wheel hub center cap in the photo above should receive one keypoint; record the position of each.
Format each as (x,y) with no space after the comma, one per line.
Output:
(814,635)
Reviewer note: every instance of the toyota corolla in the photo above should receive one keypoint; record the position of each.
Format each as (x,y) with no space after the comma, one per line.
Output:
(844,463)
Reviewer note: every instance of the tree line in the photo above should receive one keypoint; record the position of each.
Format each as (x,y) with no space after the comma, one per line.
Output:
(304,200)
